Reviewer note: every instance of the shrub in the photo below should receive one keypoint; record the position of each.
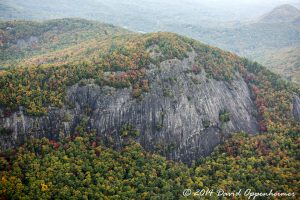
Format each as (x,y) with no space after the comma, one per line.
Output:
(224,116)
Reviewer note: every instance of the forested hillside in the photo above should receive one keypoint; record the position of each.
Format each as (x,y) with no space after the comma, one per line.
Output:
(271,44)
(128,162)
(252,30)
(81,167)
(24,39)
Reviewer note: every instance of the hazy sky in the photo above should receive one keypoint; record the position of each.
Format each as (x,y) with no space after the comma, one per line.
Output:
(245,8)
(241,3)
(249,1)
(118,11)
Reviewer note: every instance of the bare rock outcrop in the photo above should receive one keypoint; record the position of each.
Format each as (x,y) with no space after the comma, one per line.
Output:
(179,117)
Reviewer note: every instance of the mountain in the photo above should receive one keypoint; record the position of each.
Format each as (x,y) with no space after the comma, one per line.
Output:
(256,40)
(284,61)
(134,64)
(147,13)
(147,80)
(283,13)
(227,24)
(129,110)
(24,39)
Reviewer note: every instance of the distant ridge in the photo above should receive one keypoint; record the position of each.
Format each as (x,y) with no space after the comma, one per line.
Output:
(283,13)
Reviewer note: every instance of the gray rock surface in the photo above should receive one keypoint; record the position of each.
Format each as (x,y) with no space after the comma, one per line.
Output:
(22,43)
(172,117)
(296,108)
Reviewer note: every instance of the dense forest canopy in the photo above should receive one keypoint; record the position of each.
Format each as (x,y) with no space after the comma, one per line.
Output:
(84,167)
(253,29)
(24,39)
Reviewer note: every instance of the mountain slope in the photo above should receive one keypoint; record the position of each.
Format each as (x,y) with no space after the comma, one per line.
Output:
(283,13)
(285,61)
(136,65)
(159,92)
(23,39)
(155,94)
(82,167)
(194,19)
(256,41)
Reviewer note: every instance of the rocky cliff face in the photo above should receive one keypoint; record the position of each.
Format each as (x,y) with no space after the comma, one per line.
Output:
(180,117)
(296,107)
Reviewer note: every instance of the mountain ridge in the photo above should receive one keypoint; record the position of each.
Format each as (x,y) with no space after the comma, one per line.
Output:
(25,39)
(239,37)
(115,110)
(138,71)
(283,13)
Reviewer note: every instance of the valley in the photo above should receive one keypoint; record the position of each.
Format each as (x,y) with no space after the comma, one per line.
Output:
(252,31)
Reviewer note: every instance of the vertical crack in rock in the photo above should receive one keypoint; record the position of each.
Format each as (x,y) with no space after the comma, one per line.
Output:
(176,115)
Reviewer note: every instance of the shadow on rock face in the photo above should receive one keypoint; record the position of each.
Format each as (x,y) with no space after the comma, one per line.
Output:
(179,117)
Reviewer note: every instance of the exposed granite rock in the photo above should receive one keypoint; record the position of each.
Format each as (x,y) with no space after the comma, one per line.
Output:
(22,43)
(179,117)
(296,108)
